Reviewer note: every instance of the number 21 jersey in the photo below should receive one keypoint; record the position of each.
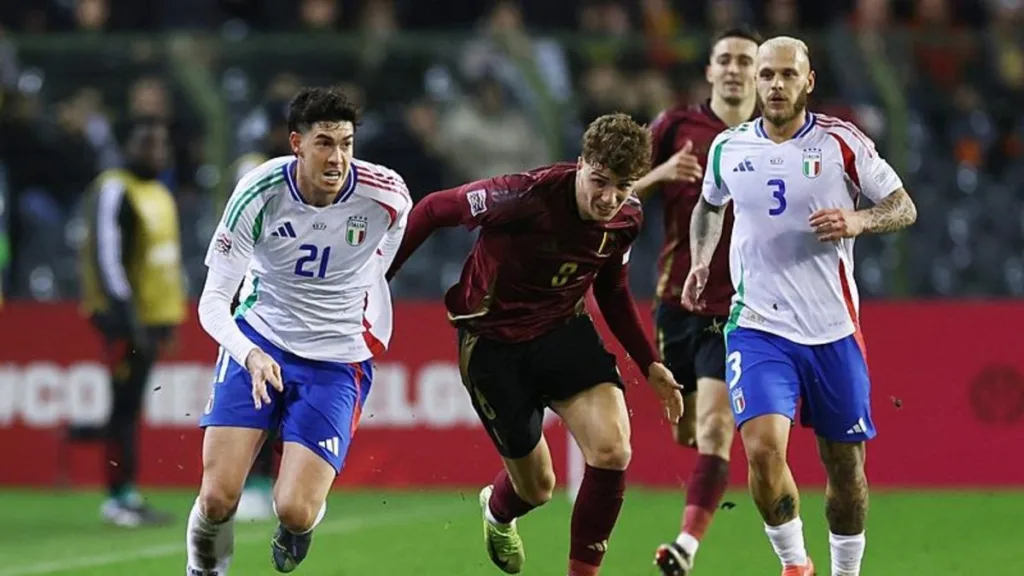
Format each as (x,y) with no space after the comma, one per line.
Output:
(314,276)
(786,281)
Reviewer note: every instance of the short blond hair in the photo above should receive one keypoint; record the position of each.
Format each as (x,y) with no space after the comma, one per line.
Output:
(787,42)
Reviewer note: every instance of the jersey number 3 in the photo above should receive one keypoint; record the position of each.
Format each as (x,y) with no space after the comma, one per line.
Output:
(779,193)
(311,255)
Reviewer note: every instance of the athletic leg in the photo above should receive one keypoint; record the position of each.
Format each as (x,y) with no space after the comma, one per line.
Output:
(496,379)
(599,421)
(235,431)
(227,456)
(764,388)
(582,380)
(324,403)
(838,405)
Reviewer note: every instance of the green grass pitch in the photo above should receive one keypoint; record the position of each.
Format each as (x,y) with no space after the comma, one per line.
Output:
(438,533)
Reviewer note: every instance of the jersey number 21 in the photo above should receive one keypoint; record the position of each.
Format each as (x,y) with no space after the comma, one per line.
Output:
(312,254)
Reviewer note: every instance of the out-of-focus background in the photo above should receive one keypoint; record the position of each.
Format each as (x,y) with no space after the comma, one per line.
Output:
(455,90)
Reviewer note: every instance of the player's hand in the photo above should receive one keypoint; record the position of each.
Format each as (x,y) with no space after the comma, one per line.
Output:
(682,166)
(831,224)
(693,288)
(263,370)
(664,384)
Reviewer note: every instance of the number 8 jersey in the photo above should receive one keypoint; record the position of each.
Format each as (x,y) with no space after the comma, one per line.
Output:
(786,281)
(314,276)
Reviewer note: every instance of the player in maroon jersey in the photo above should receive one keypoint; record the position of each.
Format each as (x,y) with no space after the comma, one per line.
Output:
(525,340)
(692,344)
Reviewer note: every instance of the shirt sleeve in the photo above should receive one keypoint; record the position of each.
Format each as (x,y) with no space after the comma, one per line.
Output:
(215,315)
(398,206)
(492,202)
(110,239)
(714,190)
(865,169)
(239,228)
(613,297)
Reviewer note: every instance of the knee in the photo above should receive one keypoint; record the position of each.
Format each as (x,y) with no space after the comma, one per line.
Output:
(218,502)
(685,431)
(539,488)
(612,453)
(765,456)
(715,432)
(297,515)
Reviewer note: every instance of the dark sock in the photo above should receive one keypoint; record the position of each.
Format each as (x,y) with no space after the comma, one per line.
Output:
(120,445)
(707,486)
(593,518)
(505,504)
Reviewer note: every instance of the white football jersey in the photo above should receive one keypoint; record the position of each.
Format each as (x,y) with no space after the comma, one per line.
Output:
(787,282)
(314,277)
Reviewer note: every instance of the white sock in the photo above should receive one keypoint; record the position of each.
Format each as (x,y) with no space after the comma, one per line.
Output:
(788,541)
(210,545)
(847,552)
(688,543)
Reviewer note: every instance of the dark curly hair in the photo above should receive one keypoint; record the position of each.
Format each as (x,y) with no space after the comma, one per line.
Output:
(312,105)
(620,144)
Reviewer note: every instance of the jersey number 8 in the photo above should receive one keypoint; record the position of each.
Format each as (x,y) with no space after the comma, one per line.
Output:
(312,254)
(564,271)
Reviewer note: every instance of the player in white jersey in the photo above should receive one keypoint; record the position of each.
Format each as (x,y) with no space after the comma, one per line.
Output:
(313,235)
(793,334)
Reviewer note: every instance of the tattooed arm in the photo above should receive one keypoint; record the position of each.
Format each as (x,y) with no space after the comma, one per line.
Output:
(705,231)
(895,212)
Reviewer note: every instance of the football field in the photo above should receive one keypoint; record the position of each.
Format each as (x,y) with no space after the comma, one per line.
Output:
(438,533)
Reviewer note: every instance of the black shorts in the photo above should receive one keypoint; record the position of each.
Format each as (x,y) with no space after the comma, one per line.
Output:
(692,346)
(510,384)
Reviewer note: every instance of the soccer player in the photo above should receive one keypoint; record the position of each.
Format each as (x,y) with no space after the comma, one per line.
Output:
(795,179)
(133,293)
(692,344)
(313,234)
(525,340)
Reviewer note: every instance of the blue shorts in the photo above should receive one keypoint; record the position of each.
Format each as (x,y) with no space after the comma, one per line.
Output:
(319,408)
(768,374)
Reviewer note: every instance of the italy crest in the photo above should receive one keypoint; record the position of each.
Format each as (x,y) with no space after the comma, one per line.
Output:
(355,230)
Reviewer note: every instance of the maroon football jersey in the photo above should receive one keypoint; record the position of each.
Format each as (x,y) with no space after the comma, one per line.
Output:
(535,257)
(670,131)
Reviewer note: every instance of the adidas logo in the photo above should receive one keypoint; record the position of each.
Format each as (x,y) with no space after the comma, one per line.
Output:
(745,166)
(859,428)
(284,231)
(331,445)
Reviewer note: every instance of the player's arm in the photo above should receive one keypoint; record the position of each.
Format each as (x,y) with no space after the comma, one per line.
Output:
(611,291)
(709,215)
(227,259)
(490,202)
(873,177)
(114,230)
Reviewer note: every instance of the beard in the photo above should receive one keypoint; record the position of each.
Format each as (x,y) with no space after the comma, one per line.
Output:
(780,117)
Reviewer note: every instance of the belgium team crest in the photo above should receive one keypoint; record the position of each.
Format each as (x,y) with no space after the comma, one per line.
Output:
(812,162)
(355,230)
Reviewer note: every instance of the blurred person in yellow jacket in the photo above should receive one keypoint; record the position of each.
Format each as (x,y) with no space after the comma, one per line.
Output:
(133,293)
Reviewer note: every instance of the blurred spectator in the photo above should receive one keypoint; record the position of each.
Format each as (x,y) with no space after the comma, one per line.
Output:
(483,135)
(409,143)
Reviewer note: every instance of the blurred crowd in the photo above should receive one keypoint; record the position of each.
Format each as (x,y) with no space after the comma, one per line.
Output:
(455,90)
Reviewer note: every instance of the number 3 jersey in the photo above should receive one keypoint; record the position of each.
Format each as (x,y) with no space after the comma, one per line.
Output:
(314,276)
(787,282)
